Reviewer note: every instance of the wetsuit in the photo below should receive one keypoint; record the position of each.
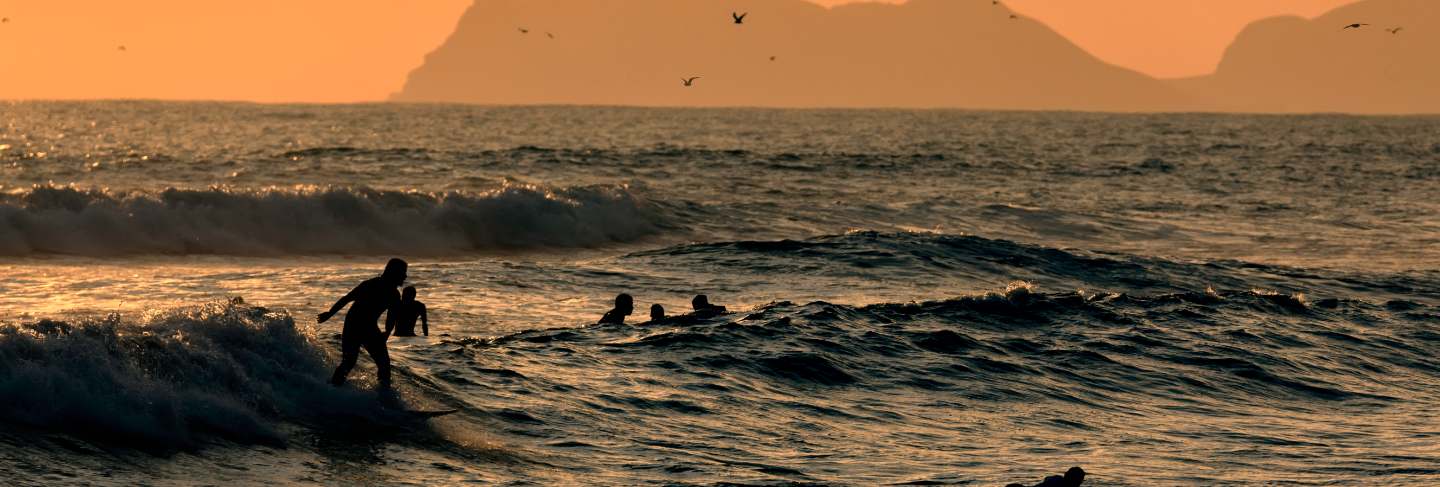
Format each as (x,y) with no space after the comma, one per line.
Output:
(371,298)
(406,312)
(612,317)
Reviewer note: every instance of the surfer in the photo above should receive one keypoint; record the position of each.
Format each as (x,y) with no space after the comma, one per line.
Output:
(372,297)
(702,306)
(657,312)
(1073,478)
(406,311)
(624,305)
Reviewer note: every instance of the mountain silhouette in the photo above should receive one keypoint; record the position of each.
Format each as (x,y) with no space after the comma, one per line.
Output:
(1290,64)
(924,53)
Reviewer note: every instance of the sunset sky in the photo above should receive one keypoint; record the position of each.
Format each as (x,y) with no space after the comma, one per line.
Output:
(361,50)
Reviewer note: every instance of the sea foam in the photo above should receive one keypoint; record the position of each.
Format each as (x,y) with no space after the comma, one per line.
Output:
(171,380)
(320,220)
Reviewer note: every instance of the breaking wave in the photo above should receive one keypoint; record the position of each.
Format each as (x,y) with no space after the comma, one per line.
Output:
(316,220)
(173,380)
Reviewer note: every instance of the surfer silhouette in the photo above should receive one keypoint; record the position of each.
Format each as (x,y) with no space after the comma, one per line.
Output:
(702,306)
(407,311)
(624,305)
(372,297)
(1073,478)
(657,312)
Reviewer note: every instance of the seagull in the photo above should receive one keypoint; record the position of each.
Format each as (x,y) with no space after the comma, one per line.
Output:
(121,49)
(689,81)
(523,30)
(1353,26)
(772,58)
(5,20)
(1395,30)
(739,18)
(994,2)
(547,34)
(1014,17)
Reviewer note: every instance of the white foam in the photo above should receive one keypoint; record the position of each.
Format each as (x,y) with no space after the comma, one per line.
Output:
(171,380)
(317,220)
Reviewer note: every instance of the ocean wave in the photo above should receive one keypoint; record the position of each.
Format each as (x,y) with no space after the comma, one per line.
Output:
(181,379)
(1066,368)
(966,260)
(1020,343)
(321,220)
(933,254)
(173,380)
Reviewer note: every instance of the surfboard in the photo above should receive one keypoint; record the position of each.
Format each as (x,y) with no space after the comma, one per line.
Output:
(430,414)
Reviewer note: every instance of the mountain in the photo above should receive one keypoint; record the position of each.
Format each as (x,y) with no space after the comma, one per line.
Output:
(1290,64)
(924,53)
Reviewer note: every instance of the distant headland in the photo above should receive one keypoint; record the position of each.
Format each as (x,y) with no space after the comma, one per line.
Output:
(920,54)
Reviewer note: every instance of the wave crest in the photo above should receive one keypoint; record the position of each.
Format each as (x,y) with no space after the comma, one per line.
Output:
(311,220)
(169,381)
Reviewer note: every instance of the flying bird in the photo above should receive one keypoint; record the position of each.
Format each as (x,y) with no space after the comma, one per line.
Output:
(689,81)
(739,18)
(121,49)
(5,20)
(523,30)
(547,34)
(1395,30)
(1014,17)
(772,58)
(1353,26)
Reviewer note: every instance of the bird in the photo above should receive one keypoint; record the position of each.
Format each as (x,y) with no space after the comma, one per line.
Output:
(689,81)
(523,30)
(121,49)
(739,18)
(1014,17)
(1353,26)
(772,58)
(5,20)
(1395,30)
(994,2)
(547,34)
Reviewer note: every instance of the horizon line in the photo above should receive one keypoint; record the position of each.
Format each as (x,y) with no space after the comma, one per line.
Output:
(711,107)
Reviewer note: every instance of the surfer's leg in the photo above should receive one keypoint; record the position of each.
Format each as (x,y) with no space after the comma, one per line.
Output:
(349,351)
(381,356)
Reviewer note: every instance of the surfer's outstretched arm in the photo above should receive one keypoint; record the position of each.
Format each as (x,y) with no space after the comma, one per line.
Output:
(339,305)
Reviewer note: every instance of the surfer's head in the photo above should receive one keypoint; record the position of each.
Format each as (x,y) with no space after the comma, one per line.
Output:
(395,271)
(624,303)
(1074,476)
(700,302)
(657,312)
(408,293)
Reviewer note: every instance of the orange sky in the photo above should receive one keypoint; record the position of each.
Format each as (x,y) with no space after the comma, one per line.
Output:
(361,50)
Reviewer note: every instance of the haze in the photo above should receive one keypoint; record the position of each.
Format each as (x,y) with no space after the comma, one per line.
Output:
(346,51)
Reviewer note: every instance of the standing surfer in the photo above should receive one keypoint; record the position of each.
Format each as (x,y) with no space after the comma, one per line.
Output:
(374,296)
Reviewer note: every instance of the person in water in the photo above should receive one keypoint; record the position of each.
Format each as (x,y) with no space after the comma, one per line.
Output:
(1073,478)
(657,312)
(702,306)
(624,305)
(372,297)
(407,311)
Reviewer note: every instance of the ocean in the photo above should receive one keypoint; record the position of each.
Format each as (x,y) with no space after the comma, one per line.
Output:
(914,297)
